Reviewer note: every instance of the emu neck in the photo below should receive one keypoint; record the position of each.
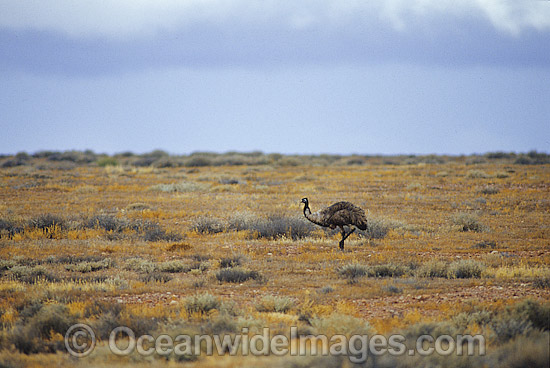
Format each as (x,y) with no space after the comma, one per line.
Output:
(307,211)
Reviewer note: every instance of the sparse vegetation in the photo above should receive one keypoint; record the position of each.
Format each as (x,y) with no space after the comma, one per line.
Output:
(212,243)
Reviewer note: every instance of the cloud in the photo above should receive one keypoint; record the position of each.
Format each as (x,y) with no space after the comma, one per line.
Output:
(120,19)
(89,37)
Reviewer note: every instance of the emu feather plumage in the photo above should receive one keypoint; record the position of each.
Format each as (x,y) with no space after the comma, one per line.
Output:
(338,215)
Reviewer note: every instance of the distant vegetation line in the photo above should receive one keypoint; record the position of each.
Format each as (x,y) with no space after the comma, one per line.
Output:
(162,159)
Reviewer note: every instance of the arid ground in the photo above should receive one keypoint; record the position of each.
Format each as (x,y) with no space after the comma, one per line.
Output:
(214,244)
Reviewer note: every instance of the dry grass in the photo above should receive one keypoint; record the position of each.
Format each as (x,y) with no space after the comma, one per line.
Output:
(215,243)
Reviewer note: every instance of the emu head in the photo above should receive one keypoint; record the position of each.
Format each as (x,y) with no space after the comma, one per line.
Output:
(305,201)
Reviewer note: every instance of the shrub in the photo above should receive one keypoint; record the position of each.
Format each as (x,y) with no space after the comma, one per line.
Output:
(433,268)
(174,266)
(90,266)
(46,221)
(156,277)
(542,282)
(465,269)
(485,244)
(30,275)
(153,232)
(467,222)
(378,228)
(393,289)
(201,303)
(352,271)
(326,290)
(34,335)
(533,158)
(208,225)
(227,262)
(182,187)
(386,270)
(141,265)
(107,223)
(478,174)
(536,313)
(241,221)
(198,161)
(107,161)
(236,275)
(272,303)
(9,228)
(276,226)
(489,190)
(338,323)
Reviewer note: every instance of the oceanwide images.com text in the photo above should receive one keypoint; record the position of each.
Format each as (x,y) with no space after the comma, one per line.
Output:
(80,341)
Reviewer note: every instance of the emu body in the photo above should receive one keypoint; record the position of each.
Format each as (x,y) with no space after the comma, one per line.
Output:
(338,215)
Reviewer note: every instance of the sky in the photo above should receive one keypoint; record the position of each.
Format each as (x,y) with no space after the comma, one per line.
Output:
(292,77)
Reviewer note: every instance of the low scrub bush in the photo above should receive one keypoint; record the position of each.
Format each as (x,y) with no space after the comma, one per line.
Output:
(276,226)
(174,266)
(352,272)
(161,277)
(489,190)
(47,221)
(433,268)
(467,222)
(465,269)
(378,228)
(237,275)
(35,335)
(272,303)
(89,266)
(152,232)
(107,223)
(9,228)
(478,174)
(326,290)
(387,270)
(542,282)
(31,275)
(338,323)
(485,244)
(201,303)
(181,187)
(208,225)
(462,269)
(228,262)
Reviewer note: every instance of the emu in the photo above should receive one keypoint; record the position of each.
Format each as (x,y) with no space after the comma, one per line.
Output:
(340,214)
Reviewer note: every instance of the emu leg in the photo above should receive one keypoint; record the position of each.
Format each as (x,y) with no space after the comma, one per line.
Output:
(341,244)
(344,237)
(348,234)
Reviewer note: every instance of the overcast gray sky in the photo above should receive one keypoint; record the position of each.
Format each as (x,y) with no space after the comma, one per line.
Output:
(334,76)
